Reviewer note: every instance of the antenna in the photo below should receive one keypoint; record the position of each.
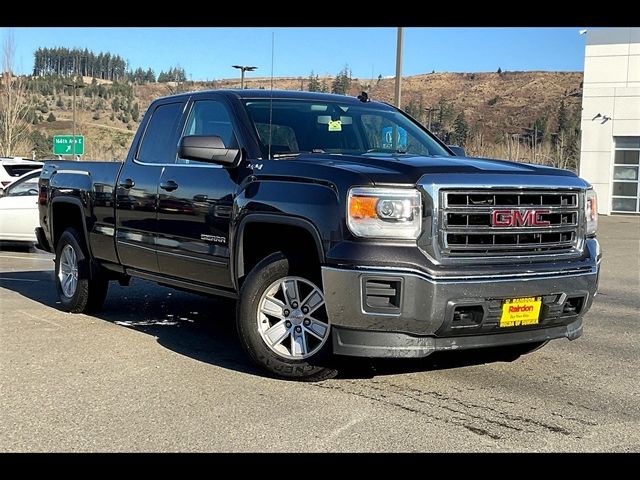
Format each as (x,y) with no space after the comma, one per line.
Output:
(273,36)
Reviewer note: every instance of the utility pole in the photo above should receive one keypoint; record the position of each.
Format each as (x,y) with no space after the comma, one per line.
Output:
(398,67)
(74,86)
(74,121)
(243,69)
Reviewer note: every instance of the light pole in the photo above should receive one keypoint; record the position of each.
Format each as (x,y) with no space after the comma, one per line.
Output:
(243,69)
(74,85)
(398,67)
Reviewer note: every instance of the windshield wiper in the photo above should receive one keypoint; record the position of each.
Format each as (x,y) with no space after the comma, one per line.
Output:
(385,150)
(295,154)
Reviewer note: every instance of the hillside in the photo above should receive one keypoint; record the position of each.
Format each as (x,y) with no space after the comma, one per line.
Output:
(492,114)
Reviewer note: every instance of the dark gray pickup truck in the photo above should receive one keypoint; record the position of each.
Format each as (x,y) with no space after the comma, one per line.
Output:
(340,225)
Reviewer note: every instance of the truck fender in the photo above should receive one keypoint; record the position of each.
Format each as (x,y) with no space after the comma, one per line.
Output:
(237,261)
(81,210)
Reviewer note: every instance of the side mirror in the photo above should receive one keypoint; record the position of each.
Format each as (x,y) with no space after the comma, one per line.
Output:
(205,148)
(457,151)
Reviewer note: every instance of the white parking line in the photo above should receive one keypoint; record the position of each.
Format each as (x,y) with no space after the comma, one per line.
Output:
(35,317)
(27,258)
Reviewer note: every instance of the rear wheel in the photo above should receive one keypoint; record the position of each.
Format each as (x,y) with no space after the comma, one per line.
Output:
(283,322)
(78,292)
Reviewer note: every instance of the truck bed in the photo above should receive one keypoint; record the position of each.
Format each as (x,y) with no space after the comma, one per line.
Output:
(93,185)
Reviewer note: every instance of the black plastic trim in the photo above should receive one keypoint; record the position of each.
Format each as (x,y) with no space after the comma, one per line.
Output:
(360,343)
(237,262)
(43,244)
(78,203)
(181,284)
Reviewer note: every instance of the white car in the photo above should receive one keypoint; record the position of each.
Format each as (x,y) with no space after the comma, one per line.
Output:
(19,209)
(11,168)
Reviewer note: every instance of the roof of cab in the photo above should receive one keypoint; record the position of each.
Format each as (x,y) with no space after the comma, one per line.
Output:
(278,94)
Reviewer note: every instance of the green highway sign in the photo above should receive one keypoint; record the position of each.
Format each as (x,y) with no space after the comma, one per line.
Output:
(63,145)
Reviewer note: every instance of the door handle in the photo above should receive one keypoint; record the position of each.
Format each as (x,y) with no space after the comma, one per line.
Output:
(169,186)
(127,183)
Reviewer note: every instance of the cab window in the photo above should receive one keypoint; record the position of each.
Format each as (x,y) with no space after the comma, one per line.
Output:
(210,118)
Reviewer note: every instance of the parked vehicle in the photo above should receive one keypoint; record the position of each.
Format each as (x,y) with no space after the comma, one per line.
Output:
(341,225)
(11,168)
(19,209)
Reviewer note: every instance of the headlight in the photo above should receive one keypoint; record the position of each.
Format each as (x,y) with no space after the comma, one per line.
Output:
(384,212)
(591,211)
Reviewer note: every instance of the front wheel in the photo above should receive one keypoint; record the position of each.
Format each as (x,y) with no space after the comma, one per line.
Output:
(283,323)
(78,292)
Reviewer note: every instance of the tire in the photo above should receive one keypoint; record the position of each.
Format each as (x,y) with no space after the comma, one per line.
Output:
(87,294)
(299,347)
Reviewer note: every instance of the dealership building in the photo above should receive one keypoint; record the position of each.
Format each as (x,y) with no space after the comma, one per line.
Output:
(610,148)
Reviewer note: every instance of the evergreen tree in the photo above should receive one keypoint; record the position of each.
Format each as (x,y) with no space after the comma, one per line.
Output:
(460,130)
(75,62)
(313,83)
(563,117)
(51,117)
(41,144)
(135,112)
(342,82)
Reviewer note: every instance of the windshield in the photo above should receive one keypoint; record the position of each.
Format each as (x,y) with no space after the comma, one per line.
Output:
(304,126)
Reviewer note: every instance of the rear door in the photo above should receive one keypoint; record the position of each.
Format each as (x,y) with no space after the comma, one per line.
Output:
(195,201)
(19,210)
(137,189)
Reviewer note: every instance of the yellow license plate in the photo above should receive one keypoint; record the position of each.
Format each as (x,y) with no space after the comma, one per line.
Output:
(520,311)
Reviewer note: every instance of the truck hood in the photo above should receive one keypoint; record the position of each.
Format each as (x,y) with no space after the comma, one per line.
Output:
(409,169)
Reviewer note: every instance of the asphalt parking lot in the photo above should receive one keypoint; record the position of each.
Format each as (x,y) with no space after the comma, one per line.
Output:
(162,370)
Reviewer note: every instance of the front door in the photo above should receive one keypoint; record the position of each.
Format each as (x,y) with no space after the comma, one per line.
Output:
(194,205)
(137,189)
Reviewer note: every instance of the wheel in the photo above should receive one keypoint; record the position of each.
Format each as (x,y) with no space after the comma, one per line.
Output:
(77,291)
(282,321)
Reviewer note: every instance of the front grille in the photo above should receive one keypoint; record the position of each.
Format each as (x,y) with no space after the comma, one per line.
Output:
(467,219)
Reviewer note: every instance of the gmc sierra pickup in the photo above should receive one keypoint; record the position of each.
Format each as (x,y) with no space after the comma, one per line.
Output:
(340,225)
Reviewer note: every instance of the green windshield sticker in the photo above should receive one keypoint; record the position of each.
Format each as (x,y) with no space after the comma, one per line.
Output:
(335,126)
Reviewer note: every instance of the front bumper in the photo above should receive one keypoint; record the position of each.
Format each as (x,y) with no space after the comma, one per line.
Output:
(426,314)
(361,343)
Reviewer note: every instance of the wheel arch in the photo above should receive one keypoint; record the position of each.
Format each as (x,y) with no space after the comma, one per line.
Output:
(76,218)
(239,257)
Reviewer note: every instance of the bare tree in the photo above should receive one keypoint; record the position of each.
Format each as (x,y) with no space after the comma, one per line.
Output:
(14,104)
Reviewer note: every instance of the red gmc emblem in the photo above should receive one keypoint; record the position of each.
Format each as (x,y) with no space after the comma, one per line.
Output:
(519,218)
